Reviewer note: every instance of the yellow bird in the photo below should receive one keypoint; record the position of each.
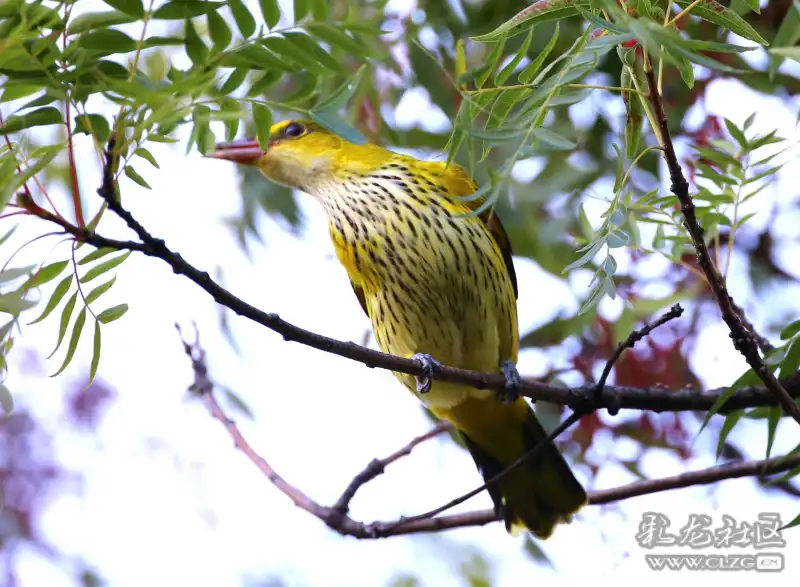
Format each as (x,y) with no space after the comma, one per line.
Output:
(438,285)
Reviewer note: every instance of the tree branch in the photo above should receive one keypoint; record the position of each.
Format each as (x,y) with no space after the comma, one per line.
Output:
(743,339)
(674,312)
(337,519)
(377,467)
(582,398)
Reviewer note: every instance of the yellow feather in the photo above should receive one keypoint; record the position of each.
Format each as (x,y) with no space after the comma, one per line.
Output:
(433,279)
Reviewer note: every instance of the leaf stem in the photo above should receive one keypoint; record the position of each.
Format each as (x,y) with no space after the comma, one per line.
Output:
(683,12)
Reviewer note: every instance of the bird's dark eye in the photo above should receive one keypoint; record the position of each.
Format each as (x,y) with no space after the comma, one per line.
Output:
(294,130)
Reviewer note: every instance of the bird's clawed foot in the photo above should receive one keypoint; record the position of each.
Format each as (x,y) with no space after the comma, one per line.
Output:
(429,366)
(510,392)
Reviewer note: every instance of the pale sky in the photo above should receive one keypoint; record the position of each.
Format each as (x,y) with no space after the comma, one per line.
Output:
(168,500)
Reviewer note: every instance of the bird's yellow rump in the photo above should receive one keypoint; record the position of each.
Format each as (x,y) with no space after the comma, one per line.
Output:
(438,284)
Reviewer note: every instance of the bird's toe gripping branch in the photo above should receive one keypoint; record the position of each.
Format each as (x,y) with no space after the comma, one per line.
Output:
(429,366)
(511,390)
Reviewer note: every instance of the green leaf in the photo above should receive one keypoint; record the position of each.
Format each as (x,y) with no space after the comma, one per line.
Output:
(530,70)
(271,12)
(335,37)
(77,329)
(262,118)
(96,254)
(95,351)
(131,173)
(14,303)
(774,356)
(300,9)
(334,123)
(147,156)
(66,314)
(703,60)
(537,13)
(98,270)
(235,79)
(219,31)
(753,5)
(791,330)
(97,20)
(15,273)
(787,36)
(497,134)
(258,58)
(590,254)
(45,274)
(603,287)
(183,9)
(112,313)
(8,234)
(506,72)
(792,524)
(309,47)
(6,400)
(790,52)
(195,48)
(491,62)
(244,19)
(684,66)
(319,9)
(737,134)
(132,7)
(16,90)
(775,413)
(41,117)
(100,290)
(93,124)
(553,140)
(617,239)
(339,97)
(263,83)
(730,421)
(58,294)
(725,17)
(107,40)
(46,156)
(295,54)
(534,550)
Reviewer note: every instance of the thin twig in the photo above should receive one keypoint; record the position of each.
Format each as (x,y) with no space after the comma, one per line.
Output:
(377,467)
(73,170)
(573,418)
(338,520)
(674,312)
(743,339)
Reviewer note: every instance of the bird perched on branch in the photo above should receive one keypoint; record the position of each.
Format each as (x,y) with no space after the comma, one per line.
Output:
(438,284)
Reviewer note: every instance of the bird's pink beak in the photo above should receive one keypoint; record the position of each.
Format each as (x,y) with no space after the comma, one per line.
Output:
(244,151)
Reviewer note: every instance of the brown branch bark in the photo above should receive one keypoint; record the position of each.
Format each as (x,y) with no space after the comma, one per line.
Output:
(337,519)
(582,398)
(743,338)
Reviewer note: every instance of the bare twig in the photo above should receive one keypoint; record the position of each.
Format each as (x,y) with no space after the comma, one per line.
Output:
(338,520)
(674,312)
(529,455)
(378,466)
(757,469)
(743,339)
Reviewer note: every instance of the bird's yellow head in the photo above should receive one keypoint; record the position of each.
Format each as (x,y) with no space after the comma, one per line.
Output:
(302,154)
